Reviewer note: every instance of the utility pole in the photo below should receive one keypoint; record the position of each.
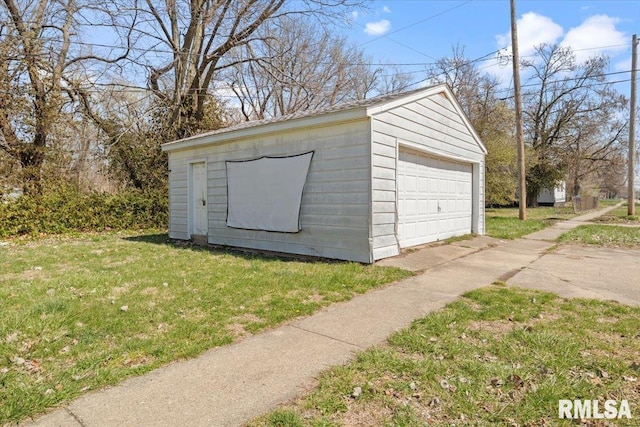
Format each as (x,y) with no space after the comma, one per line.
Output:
(522,183)
(631,196)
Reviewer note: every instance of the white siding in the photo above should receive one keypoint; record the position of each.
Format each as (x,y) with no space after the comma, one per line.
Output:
(431,124)
(335,209)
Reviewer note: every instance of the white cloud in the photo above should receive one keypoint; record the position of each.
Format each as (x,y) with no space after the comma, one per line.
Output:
(354,15)
(597,35)
(378,28)
(533,30)
(386,9)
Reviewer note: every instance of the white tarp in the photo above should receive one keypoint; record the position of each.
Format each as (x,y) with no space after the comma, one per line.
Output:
(266,193)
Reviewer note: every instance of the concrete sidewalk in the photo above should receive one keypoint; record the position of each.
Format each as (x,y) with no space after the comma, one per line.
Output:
(228,386)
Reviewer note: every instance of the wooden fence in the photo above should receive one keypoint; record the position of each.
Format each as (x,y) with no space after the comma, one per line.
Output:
(585,203)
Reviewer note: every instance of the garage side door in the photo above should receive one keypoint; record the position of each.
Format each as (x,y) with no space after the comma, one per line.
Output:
(434,198)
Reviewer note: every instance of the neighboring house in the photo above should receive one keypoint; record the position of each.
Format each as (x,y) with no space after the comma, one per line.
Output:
(353,182)
(553,196)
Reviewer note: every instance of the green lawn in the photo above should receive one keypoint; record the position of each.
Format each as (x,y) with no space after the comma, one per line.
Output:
(620,216)
(79,313)
(603,235)
(497,356)
(503,223)
(612,233)
(608,202)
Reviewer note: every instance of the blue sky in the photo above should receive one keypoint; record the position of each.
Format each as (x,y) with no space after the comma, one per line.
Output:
(420,31)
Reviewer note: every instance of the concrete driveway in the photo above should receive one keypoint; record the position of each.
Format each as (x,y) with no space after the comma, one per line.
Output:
(573,271)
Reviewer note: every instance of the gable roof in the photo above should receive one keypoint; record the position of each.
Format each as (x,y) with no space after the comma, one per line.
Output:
(356,110)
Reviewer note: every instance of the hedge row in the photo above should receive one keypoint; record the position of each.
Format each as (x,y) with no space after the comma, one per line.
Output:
(66,210)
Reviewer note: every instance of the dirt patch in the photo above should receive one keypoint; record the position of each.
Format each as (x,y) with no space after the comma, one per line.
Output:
(110,263)
(236,325)
(366,415)
(30,275)
(606,320)
(314,298)
(504,327)
(118,290)
(498,327)
(149,291)
(236,330)
(475,306)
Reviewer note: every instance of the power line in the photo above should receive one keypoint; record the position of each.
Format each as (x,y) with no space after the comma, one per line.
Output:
(378,64)
(417,23)
(589,86)
(124,88)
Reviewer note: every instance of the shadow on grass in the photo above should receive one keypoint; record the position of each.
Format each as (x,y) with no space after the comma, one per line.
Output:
(158,239)
(245,253)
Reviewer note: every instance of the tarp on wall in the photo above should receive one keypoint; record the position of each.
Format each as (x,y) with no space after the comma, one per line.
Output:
(266,193)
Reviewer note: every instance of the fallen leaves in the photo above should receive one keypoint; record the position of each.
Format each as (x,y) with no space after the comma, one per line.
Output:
(496,382)
(448,386)
(516,381)
(29,365)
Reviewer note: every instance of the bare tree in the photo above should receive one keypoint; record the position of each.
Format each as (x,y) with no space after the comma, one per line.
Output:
(130,125)
(566,111)
(298,68)
(41,56)
(596,142)
(192,41)
(388,78)
(612,179)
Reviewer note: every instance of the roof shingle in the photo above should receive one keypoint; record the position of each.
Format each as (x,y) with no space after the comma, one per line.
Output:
(306,113)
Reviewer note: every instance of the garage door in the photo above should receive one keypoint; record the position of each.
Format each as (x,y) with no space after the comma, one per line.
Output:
(434,198)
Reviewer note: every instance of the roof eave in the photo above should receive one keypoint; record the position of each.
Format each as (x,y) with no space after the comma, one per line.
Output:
(354,114)
(396,102)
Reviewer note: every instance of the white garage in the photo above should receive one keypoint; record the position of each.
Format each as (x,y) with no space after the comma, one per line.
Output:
(357,182)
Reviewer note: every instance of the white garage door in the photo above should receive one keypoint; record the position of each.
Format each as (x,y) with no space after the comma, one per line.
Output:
(434,198)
